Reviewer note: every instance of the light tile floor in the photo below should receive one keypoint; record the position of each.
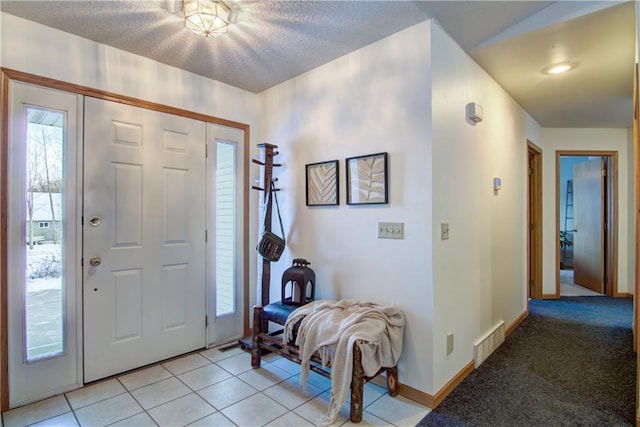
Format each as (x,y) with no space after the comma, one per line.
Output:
(570,289)
(211,388)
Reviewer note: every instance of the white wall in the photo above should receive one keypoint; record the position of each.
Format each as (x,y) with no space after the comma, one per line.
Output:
(373,100)
(358,104)
(585,139)
(480,271)
(1,19)
(27,46)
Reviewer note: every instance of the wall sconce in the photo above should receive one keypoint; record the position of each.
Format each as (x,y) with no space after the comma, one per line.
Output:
(474,112)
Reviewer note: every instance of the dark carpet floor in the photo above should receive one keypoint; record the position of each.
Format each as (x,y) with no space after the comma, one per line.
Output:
(570,363)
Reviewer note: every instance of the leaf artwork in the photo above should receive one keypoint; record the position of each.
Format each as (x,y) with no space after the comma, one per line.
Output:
(321,185)
(367,180)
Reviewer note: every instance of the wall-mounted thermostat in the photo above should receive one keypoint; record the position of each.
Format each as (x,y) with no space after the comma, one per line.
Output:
(497,184)
(474,112)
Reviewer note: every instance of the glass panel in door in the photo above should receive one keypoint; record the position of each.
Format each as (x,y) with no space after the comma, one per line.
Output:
(45,267)
(225,215)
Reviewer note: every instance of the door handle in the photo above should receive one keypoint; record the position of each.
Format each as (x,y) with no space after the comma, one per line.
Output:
(95,261)
(95,221)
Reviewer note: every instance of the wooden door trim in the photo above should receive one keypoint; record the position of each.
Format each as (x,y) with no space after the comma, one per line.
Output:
(636,269)
(612,232)
(6,75)
(534,216)
(636,174)
(611,235)
(4,278)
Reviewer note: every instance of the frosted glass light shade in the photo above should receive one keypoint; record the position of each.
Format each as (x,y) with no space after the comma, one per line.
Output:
(206,17)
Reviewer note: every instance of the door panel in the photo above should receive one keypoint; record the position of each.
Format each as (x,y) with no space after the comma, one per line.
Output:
(43,243)
(225,217)
(588,237)
(144,292)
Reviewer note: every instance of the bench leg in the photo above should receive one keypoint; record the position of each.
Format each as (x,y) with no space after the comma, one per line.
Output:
(357,386)
(392,381)
(256,349)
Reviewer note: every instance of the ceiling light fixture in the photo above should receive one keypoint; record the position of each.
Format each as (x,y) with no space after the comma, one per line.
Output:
(206,17)
(560,68)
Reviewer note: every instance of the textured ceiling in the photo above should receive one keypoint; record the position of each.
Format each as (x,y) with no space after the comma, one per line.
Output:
(267,43)
(598,92)
(272,41)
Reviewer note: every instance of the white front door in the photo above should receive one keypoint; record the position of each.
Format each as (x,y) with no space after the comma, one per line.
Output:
(225,187)
(43,243)
(144,237)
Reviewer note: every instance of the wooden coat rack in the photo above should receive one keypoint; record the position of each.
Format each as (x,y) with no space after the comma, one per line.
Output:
(267,154)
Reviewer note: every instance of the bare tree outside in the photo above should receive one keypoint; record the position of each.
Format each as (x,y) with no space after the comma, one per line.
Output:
(33,160)
(44,172)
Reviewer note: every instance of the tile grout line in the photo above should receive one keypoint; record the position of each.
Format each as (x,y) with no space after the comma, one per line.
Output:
(138,403)
(145,410)
(217,412)
(73,412)
(192,391)
(93,403)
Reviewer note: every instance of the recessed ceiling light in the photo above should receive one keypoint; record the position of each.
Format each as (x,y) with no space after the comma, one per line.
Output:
(562,67)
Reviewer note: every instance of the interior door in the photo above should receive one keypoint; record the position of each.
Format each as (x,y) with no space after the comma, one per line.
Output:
(588,236)
(43,243)
(144,237)
(534,217)
(225,218)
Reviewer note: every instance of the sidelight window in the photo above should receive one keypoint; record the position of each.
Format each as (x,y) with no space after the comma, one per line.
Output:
(225,228)
(44,285)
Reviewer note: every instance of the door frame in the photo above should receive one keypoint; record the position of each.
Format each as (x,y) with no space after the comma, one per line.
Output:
(636,257)
(534,221)
(610,249)
(7,75)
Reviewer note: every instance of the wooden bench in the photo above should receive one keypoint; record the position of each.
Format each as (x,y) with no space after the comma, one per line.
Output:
(272,342)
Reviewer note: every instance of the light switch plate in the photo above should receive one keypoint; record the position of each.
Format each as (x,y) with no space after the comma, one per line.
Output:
(391,230)
(444,231)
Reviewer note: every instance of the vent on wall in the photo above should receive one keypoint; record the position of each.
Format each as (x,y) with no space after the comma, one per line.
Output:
(488,343)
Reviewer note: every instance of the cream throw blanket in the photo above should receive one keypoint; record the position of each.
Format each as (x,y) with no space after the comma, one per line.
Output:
(332,328)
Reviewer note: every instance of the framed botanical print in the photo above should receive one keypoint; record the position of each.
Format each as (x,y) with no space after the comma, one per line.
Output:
(322,183)
(367,179)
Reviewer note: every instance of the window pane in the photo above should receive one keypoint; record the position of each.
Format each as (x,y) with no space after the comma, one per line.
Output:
(44,243)
(225,228)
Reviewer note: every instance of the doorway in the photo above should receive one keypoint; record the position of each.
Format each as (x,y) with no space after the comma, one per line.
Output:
(586,223)
(182,277)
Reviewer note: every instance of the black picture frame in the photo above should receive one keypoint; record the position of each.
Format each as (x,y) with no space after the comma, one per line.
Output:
(367,179)
(322,187)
